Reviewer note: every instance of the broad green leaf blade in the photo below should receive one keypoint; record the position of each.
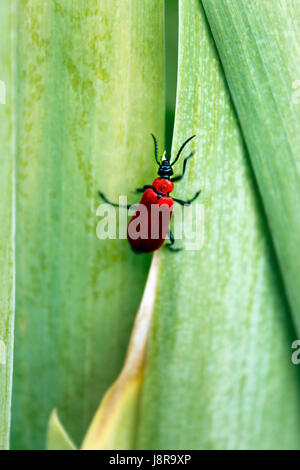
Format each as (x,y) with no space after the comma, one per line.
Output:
(7,183)
(259,46)
(91,89)
(219,374)
(115,424)
(57,437)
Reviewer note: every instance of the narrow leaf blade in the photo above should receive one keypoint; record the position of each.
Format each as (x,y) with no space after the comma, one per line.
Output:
(259,46)
(90,82)
(57,437)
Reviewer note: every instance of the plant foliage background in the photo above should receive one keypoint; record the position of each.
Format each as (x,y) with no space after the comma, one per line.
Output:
(86,83)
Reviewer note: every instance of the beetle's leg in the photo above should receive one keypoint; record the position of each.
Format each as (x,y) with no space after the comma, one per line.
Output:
(170,245)
(189,201)
(179,177)
(114,204)
(143,189)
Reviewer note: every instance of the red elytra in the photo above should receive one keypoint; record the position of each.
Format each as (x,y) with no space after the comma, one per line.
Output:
(149,226)
(148,229)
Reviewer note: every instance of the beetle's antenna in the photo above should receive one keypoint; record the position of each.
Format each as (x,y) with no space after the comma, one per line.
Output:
(181,148)
(155,149)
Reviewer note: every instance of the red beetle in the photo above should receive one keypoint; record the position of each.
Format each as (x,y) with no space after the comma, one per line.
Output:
(149,226)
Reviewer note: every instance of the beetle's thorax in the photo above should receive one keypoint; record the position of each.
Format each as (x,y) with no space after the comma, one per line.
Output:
(165,169)
(163,186)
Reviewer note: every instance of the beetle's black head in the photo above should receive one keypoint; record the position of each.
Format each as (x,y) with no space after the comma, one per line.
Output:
(165,165)
(165,169)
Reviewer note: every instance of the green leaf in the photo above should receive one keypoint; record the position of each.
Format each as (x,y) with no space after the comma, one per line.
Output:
(115,424)
(7,184)
(57,437)
(259,46)
(218,374)
(171,47)
(90,91)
